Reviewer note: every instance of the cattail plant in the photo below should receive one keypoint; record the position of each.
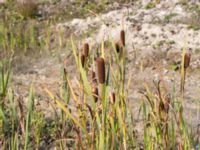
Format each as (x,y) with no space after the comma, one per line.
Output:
(157,118)
(185,64)
(101,70)
(86,49)
(186,56)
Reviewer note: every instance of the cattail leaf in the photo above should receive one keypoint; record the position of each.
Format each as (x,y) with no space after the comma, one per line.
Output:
(87,87)
(116,55)
(72,91)
(2,115)
(88,90)
(29,117)
(122,125)
(68,114)
(114,79)
(108,76)
(128,84)
(74,51)
(102,50)
(13,106)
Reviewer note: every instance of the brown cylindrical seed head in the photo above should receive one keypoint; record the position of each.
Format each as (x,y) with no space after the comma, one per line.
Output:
(187,60)
(122,37)
(112,97)
(86,49)
(95,94)
(117,47)
(101,70)
(83,60)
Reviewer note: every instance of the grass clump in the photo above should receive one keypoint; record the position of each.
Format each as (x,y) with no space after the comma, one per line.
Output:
(27,8)
(101,113)
(195,19)
(169,17)
(150,5)
(17,35)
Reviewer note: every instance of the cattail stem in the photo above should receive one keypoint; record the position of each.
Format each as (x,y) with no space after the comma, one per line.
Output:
(104,108)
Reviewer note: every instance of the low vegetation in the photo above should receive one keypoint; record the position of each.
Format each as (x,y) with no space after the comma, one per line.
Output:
(94,113)
(92,109)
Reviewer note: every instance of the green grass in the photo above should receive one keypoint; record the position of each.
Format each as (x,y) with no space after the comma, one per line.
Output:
(169,17)
(150,5)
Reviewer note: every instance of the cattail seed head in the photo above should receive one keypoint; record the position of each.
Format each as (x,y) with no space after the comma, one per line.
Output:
(86,49)
(122,37)
(187,60)
(101,70)
(95,94)
(83,60)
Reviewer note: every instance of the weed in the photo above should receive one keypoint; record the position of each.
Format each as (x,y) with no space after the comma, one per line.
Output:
(150,5)
(93,112)
(195,20)
(169,17)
